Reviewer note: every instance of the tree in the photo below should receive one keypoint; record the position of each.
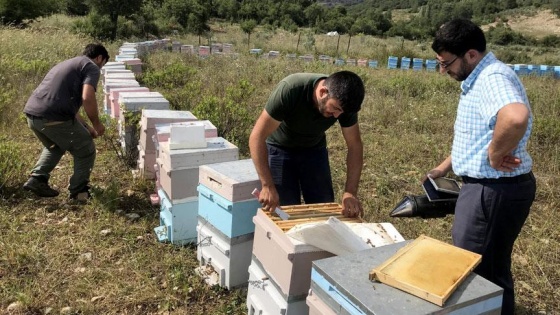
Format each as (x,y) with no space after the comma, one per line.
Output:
(16,11)
(114,9)
(248,26)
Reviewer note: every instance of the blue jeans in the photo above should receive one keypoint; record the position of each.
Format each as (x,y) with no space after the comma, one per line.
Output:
(488,219)
(58,137)
(298,172)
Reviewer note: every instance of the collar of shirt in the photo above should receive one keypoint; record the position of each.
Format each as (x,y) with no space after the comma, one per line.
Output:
(485,61)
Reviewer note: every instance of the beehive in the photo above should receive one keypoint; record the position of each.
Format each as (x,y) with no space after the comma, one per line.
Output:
(287,260)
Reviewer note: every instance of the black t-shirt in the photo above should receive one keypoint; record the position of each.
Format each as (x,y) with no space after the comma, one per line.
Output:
(59,96)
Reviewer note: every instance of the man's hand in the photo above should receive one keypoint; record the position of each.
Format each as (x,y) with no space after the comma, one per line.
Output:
(434,173)
(351,206)
(99,129)
(507,163)
(269,199)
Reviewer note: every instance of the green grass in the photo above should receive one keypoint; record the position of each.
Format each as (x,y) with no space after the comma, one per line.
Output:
(95,260)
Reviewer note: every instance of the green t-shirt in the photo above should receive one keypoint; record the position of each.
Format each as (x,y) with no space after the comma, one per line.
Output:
(303,126)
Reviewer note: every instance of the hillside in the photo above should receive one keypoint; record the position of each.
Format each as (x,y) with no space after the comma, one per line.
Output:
(537,25)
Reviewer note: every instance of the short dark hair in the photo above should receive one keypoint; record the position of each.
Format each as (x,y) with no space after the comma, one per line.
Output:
(348,88)
(94,50)
(459,36)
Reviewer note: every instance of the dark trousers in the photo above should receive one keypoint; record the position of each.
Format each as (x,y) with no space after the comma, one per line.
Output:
(301,171)
(57,138)
(488,219)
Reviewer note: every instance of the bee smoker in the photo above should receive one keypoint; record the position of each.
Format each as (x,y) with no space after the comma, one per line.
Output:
(421,206)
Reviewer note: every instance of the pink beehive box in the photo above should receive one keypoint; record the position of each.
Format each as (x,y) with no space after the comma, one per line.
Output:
(287,260)
(147,159)
(203,50)
(233,180)
(362,62)
(318,306)
(133,61)
(114,98)
(180,183)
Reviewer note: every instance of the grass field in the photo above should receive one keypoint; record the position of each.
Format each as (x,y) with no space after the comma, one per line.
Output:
(61,258)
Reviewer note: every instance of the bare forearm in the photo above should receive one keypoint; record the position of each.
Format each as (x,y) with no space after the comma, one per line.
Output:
(354,164)
(90,107)
(259,154)
(511,125)
(441,170)
(445,166)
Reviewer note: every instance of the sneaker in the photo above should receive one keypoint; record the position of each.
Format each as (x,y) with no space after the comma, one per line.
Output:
(39,187)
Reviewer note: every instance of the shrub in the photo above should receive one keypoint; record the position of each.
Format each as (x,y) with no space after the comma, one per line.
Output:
(231,115)
(12,166)
(94,25)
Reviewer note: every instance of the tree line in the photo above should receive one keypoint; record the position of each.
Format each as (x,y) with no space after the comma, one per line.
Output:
(113,19)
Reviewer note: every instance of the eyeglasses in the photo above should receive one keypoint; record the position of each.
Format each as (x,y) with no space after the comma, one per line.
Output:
(444,65)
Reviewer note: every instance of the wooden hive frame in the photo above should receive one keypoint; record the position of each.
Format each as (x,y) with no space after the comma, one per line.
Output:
(427,268)
(308,213)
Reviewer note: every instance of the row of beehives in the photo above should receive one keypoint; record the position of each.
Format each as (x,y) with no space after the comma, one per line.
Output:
(205,197)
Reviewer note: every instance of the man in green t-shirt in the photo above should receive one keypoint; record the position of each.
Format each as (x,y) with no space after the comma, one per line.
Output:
(288,142)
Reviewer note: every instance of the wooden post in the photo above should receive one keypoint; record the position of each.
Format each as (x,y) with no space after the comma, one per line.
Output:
(337,43)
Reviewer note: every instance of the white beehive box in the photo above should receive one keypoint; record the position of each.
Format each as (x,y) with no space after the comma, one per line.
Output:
(129,75)
(264,295)
(217,150)
(119,83)
(113,65)
(188,135)
(152,117)
(127,96)
(163,130)
(223,261)
(137,104)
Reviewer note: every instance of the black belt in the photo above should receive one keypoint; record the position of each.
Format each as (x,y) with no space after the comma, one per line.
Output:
(502,180)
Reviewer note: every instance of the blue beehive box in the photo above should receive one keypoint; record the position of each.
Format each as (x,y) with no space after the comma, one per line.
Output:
(417,63)
(231,218)
(431,64)
(178,220)
(342,282)
(392,62)
(405,63)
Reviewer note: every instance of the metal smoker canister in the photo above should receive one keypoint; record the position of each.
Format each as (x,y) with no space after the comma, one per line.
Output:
(421,206)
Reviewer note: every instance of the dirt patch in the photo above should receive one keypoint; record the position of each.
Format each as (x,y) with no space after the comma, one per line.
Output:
(539,25)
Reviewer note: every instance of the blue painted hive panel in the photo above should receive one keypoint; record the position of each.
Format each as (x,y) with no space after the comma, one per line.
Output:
(231,218)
